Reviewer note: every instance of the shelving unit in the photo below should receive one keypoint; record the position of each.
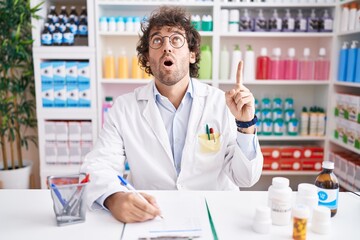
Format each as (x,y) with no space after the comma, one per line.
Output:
(318,93)
(83,52)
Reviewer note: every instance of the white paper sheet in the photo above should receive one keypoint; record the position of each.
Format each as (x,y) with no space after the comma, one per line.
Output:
(185,214)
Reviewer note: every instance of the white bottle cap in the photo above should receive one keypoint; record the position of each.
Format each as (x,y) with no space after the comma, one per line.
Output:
(234,15)
(328,165)
(262,220)
(322,52)
(277,52)
(307,189)
(280,182)
(321,220)
(306,52)
(291,52)
(263,51)
(301,211)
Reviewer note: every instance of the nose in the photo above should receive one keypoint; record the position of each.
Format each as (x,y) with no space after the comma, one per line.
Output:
(166,45)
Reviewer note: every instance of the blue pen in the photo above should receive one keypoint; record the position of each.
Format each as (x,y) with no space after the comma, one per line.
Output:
(132,189)
(58,194)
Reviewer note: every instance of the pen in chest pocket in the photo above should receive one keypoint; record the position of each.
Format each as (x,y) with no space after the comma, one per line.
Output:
(208,131)
(213,133)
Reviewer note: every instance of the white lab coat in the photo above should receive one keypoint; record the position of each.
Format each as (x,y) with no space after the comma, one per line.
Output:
(134,131)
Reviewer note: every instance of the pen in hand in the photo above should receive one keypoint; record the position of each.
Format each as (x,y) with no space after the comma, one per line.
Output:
(132,189)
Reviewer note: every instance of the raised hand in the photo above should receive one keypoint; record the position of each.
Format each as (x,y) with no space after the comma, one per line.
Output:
(240,100)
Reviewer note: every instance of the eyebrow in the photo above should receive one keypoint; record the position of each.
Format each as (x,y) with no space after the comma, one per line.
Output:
(171,33)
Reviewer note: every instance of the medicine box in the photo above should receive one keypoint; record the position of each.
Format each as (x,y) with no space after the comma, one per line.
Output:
(62,131)
(311,164)
(59,71)
(46,72)
(62,156)
(86,147)
(72,90)
(59,95)
(50,152)
(50,131)
(74,130)
(291,164)
(86,131)
(353,108)
(84,84)
(47,95)
(74,152)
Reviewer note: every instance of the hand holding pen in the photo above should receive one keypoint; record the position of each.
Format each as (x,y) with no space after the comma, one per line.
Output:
(128,207)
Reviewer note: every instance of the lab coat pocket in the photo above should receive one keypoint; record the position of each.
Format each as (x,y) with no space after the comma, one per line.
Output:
(209,146)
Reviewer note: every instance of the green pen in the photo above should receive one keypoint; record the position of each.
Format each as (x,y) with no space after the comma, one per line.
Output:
(208,131)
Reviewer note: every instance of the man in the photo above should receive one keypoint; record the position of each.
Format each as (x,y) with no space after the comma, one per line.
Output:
(175,132)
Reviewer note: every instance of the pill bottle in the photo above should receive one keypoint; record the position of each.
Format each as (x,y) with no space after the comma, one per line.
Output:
(279,201)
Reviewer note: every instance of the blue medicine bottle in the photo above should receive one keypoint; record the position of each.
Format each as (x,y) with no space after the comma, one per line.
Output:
(350,74)
(342,67)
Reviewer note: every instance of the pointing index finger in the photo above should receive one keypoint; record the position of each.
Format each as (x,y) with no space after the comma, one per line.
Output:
(239,74)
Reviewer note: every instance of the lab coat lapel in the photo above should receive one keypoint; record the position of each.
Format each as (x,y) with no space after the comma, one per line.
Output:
(197,109)
(152,116)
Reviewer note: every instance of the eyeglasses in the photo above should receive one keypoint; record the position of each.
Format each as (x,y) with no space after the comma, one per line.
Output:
(176,40)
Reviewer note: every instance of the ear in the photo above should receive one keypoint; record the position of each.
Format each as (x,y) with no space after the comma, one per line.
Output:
(192,57)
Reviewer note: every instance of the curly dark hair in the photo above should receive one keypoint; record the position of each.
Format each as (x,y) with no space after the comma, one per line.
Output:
(170,17)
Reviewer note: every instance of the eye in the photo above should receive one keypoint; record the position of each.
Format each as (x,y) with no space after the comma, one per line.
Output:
(157,40)
(176,39)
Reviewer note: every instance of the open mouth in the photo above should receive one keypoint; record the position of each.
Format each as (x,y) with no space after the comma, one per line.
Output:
(168,63)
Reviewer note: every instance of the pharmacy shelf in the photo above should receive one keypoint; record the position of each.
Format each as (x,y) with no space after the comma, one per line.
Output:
(289,173)
(347,84)
(135,34)
(344,145)
(291,138)
(143,3)
(349,33)
(280,34)
(69,52)
(67,113)
(277,5)
(279,82)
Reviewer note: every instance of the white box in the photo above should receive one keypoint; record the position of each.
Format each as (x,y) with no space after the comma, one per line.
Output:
(62,131)
(350,173)
(74,130)
(74,152)
(60,95)
(86,131)
(50,152)
(357,177)
(62,150)
(50,131)
(353,107)
(86,147)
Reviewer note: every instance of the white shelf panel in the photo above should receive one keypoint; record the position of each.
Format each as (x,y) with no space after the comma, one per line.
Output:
(347,33)
(278,5)
(347,84)
(70,51)
(279,82)
(135,34)
(124,81)
(289,173)
(343,145)
(60,169)
(154,3)
(291,138)
(67,113)
(279,34)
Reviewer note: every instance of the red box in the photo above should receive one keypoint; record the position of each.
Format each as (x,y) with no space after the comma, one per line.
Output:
(291,164)
(271,164)
(312,164)
(291,152)
(270,152)
(313,152)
